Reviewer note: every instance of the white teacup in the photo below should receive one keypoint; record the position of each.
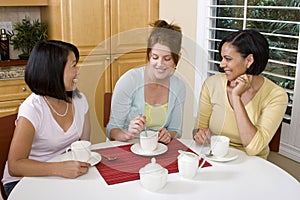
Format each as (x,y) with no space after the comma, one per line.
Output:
(148,140)
(219,145)
(188,164)
(80,150)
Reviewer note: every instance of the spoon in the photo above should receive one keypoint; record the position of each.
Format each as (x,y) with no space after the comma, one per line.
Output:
(109,158)
(146,134)
(145,129)
(209,154)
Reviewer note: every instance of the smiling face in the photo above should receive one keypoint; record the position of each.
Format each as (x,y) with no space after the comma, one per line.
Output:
(161,61)
(71,72)
(233,63)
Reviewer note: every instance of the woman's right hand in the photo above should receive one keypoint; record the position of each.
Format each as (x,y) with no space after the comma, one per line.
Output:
(72,169)
(202,136)
(137,125)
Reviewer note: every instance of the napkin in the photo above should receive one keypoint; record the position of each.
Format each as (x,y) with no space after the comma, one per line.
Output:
(127,166)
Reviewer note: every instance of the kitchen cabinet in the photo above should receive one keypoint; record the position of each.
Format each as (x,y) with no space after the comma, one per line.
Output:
(111,36)
(108,80)
(100,26)
(23,3)
(84,23)
(12,94)
(13,89)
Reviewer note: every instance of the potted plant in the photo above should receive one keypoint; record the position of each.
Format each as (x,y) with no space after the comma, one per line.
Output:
(27,35)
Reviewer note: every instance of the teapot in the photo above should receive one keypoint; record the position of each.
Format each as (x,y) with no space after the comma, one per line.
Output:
(153,176)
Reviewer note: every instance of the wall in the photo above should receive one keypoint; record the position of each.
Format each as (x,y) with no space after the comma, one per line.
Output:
(16,14)
(172,11)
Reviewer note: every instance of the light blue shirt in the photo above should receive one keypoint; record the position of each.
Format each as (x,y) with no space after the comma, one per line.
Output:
(128,101)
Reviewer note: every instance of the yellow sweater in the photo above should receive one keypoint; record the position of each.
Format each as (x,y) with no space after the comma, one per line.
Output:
(265,111)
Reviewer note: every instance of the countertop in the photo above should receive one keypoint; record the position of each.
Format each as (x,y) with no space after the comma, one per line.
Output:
(12,69)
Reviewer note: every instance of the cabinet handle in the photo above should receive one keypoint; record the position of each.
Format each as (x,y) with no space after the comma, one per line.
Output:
(107,58)
(115,58)
(24,89)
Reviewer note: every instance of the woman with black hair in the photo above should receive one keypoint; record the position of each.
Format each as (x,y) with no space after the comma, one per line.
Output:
(51,118)
(240,103)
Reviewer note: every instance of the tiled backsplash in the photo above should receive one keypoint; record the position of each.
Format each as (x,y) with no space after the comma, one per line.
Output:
(16,14)
(12,72)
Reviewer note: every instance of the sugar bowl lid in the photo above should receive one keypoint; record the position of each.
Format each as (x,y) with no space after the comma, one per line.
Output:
(152,167)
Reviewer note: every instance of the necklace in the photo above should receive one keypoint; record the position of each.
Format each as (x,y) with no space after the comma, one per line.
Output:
(61,115)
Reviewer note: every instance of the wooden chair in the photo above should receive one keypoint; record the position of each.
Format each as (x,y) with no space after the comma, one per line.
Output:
(275,142)
(107,102)
(7,127)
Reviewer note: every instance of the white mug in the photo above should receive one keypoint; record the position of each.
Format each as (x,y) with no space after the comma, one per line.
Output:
(188,164)
(148,140)
(219,145)
(80,150)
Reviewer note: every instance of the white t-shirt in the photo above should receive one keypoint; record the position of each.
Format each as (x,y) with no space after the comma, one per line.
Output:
(49,139)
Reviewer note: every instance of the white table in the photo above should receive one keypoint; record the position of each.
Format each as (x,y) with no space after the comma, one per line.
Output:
(247,177)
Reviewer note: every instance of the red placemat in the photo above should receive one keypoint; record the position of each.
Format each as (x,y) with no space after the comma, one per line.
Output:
(127,166)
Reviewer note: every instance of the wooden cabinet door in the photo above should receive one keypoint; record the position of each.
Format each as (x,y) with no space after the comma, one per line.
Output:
(123,63)
(101,26)
(83,23)
(118,66)
(130,21)
(87,25)
(13,90)
(92,82)
(9,107)
(12,94)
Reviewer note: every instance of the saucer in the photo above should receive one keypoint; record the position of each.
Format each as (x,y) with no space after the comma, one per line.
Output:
(94,159)
(136,149)
(228,157)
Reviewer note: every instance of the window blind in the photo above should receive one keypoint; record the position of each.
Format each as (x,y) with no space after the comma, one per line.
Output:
(277,20)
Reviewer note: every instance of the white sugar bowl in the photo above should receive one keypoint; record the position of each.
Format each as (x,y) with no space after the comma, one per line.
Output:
(153,176)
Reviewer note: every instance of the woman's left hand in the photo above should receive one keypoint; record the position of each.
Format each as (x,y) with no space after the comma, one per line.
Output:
(164,136)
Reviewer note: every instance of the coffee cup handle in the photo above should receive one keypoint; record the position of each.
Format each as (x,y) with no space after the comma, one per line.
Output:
(70,150)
